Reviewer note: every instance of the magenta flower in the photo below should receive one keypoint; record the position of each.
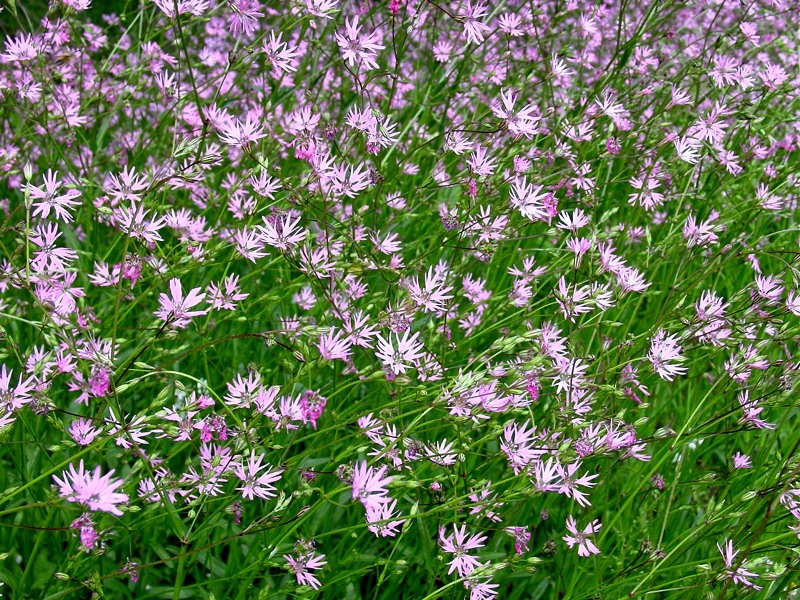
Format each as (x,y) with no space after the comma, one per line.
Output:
(175,307)
(585,545)
(94,491)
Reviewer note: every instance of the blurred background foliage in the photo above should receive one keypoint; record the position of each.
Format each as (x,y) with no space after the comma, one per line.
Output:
(29,13)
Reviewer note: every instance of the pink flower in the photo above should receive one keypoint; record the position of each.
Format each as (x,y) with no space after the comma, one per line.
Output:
(356,47)
(14,398)
(301,565)
(382,520)
(82,432)
(459,543)
(741,461)
(226,295)
(369,485)
(585,546)
(334,344)
(665,355)
(175,308)
(257,479)
(236,133)
(739,574)
(473,28)
(396,353)
(50,198)
(94,491)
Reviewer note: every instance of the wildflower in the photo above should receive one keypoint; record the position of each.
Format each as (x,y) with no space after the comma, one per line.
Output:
(236,133)
(396,353)
(303,563)
(520,122)
(225,300)
(459,543)
(244,17)
(175,308)
(529,200)
(740,574)
(369,485)
(94,491)
(517,445)
(382,520)
(441,453)
(665,355)
(312,405)
(257,479)
(741,461)
(521,537)
(127,186)
(82,432)
(474,30)
(358,47)
(433,295)
(14,398)
(50,198)
(688,149)
(135,223)
(279,54)
(751,410)
(585,545)
(769,288)
(21,48)
(87,532)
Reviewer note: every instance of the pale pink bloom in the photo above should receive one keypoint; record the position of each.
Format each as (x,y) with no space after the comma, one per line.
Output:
(769,288)
(175,307)
(62,203)
(226,295)
(433,295)
(279,54)
(301,567)
(333,345)
(369,485)
(474,29)
(519,122)
(441,453)
(459,544)
(382,520)
(83,432)
(13,398)
(529,200)
(688,149)
(236,133)
(740,574)
(94,491)
(358,47)
(399,354)
(741,461)
(257,478)
(665,355)
(585,545)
